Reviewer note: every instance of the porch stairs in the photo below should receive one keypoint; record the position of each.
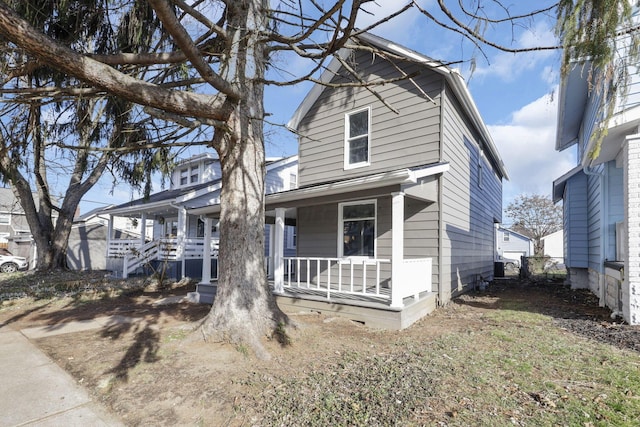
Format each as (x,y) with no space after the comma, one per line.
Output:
(205,292)
(137,258)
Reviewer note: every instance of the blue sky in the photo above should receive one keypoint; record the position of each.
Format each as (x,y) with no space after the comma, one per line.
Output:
(516,95)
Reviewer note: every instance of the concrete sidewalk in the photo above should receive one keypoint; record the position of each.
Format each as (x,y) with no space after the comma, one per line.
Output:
(35,391)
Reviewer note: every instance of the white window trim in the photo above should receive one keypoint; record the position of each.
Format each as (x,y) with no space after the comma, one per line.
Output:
(341,228)
(8,218)
(348,165)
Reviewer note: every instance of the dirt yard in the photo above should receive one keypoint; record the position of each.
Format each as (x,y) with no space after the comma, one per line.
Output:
(515,354)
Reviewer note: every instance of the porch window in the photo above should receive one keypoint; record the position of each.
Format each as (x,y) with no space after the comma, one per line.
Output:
(292,237)
(357,138)
(171,228)
(358,224)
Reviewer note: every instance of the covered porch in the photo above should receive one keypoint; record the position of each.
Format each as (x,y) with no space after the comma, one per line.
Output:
(390,289)
(178,242)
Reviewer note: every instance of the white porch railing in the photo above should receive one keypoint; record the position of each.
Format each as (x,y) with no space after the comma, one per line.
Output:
(415,277)
(137,257)
(166,249)
(193,247)
(121,247)
(359,277)
(337,275)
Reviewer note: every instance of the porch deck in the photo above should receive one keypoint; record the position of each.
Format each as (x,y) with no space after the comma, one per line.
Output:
(368,309)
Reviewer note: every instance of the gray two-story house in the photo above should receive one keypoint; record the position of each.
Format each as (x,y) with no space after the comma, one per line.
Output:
(400,188)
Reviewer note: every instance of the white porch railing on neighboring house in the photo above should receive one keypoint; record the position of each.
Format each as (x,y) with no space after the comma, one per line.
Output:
(121,247)
(359,277)
(166,249)
(138,257)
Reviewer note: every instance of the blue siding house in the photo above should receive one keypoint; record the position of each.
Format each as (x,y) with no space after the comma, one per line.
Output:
(601,194)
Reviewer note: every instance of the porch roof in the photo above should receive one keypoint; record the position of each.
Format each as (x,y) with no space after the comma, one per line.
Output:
(560,183)
(407,179)
(163,201)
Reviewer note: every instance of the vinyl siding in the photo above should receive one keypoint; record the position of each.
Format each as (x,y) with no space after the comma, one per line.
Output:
(278,179)
(594,218)
(469,210)
(407,139)
(576,231)
(318,231)
(516,243)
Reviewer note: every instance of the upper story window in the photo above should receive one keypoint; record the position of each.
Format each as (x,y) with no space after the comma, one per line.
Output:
(357,144)
(505,236)
(5,219)
(184,176)
(358,224)
(293,181)
(194,174)
(189,175)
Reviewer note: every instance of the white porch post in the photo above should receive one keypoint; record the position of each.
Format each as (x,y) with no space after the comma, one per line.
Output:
(272,236)
(397,247)
(631,285)
(109,233)
(143,229)
(182,237)
(278,251)
(206,253)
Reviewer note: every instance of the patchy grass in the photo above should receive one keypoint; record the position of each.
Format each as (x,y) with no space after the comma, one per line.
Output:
(524,373)
(83,285)
(519,354)
(513,367)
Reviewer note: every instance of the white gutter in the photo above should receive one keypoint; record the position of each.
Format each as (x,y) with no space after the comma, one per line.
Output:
(138,208)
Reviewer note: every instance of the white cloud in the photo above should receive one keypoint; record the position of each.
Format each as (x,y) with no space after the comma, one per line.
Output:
(401,29)
(509,66)
(527,147)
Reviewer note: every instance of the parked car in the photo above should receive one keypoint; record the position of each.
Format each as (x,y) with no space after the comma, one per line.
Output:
(511,264)
(10,263)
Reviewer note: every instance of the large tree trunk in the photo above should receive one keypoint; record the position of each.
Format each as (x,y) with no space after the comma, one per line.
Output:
(244,309)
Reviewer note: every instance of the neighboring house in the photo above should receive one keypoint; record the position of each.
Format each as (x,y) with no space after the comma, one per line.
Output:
(14,228)
(395,212)
(601,194)
(88,238)
(553,245)
(13,222)
(511,245)
(179,240)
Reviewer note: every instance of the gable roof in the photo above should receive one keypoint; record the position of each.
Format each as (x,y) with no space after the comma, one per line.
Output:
(452,76)
(515,233)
